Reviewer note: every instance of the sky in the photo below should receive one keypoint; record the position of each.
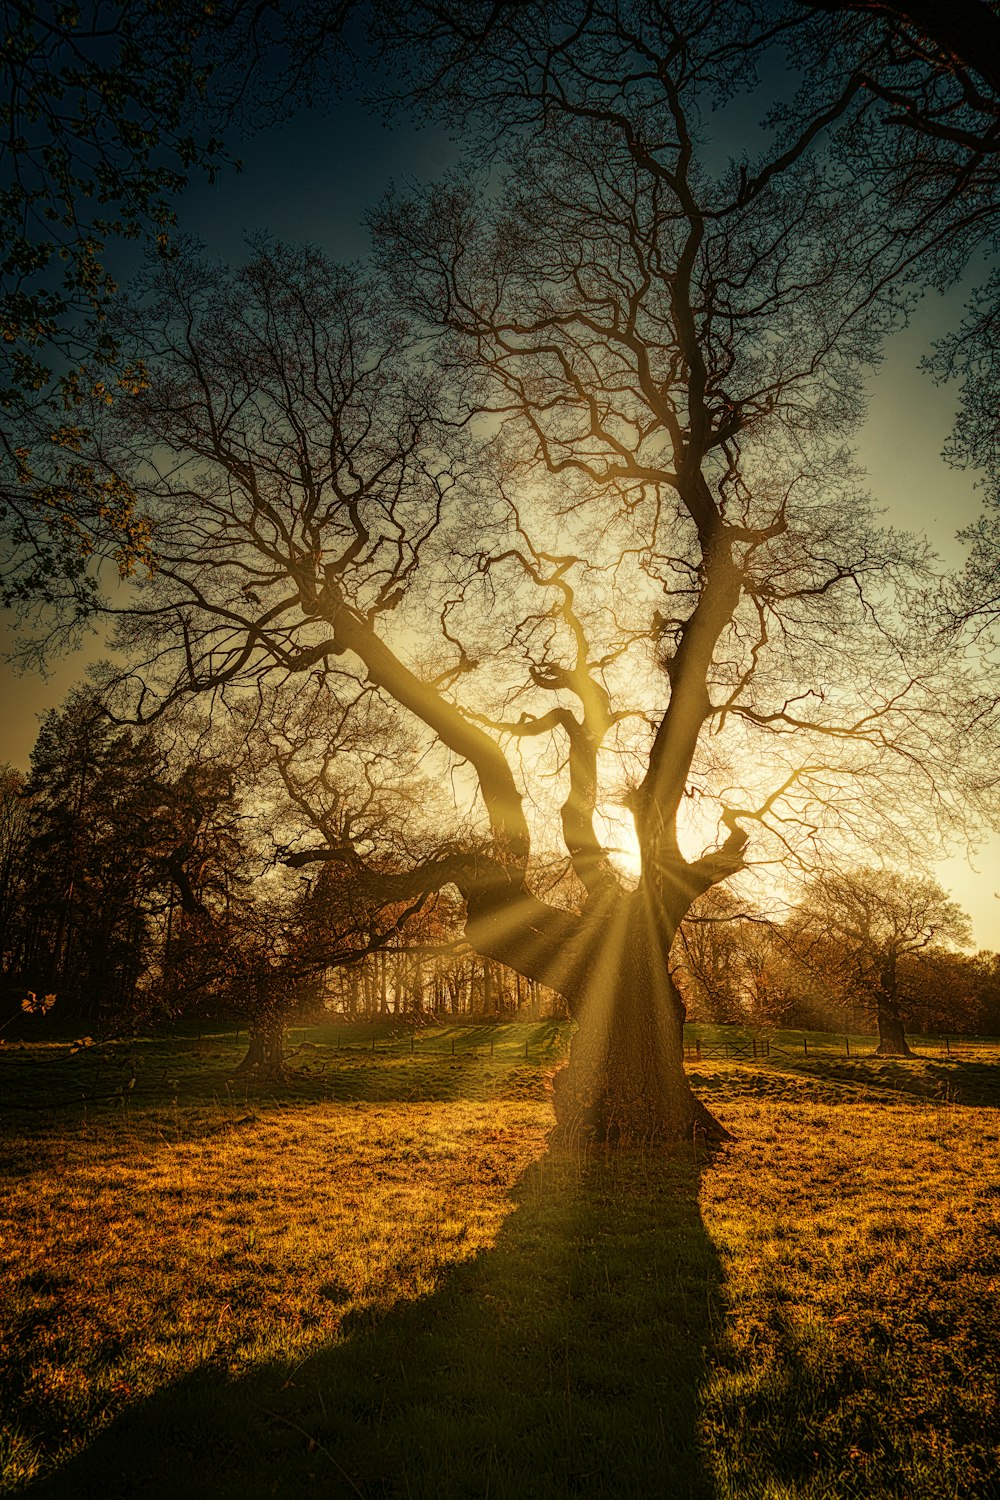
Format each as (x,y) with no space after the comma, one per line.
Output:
(313,178)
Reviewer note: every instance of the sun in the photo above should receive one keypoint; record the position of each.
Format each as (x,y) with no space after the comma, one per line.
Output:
(616,830)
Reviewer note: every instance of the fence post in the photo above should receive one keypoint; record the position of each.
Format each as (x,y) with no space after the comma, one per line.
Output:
(805,1046)
(848,1041)
(947,1045)
(412,1040)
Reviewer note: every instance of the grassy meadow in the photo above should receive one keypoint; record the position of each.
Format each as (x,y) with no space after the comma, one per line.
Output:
(380,1281)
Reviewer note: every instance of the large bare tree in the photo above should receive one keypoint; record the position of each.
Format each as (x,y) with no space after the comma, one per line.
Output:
(566,490)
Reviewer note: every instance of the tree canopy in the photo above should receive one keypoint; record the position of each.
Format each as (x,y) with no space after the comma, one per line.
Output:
(108,109)
(865,923)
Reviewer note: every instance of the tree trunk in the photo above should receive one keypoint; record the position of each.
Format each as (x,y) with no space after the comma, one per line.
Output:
(891,1035)
(265,1055)
(625,1082)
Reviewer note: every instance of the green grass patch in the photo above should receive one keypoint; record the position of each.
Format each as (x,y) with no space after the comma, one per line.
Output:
(325,1063)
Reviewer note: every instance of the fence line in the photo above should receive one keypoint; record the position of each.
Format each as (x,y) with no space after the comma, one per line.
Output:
(830,1043)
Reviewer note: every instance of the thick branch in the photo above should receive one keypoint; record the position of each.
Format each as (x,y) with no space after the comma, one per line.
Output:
(657,800)
(496,781)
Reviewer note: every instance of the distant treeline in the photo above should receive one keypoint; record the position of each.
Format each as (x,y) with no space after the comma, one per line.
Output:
(132,868)
(813,970)
(130,892)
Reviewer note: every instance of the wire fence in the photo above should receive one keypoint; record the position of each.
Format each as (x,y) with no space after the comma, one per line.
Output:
(762,1047)
(506,1042)
(119,1072)
(748,1047)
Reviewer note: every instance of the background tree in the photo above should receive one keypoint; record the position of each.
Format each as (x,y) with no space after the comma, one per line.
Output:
(733,963)
(987,992)
(706,960)
(114,842)
(14,824)
(271,952)
(869,927)
(948,992)
(90,874)
(244,937)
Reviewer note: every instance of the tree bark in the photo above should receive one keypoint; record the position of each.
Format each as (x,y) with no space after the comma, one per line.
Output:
(265,1055)
(624,1083)
(891,1035)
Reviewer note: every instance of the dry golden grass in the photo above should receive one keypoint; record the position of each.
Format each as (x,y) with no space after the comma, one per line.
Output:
(860,1247)
(128,1259)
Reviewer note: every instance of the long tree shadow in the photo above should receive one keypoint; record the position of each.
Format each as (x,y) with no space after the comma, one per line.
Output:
(857,1080)
(567,1360)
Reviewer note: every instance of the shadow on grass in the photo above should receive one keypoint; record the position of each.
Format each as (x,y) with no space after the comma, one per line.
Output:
(567,1360)
(843,1081)
(870,1411)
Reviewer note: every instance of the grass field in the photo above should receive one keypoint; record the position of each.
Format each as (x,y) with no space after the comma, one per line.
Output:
(379,1281)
